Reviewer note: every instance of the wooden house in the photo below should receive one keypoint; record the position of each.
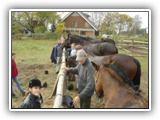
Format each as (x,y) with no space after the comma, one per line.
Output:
(79,22)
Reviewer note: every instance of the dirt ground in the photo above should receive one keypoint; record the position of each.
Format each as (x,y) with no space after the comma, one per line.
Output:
(28,72)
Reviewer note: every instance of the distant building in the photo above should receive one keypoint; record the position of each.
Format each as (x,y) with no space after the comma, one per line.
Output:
(79,22)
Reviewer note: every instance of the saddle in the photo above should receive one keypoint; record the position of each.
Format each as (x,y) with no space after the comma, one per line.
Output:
(67,102)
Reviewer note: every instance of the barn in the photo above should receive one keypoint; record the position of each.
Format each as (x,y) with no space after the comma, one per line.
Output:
(79,22)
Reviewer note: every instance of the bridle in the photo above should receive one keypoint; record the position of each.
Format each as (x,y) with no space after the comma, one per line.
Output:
(95,92)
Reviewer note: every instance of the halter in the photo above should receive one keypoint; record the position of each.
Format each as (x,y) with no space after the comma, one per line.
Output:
(95,87)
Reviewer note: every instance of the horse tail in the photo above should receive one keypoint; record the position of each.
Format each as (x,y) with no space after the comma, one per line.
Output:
(136,79)
(116,50)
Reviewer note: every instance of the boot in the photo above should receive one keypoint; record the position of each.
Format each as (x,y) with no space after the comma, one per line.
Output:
(23,94)
(14,96)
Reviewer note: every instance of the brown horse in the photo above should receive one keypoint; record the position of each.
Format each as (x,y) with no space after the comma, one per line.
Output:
(99,49)
(110,82)
(129,64)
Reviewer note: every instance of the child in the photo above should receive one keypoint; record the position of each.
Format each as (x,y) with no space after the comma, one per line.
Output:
(31,99)
(14,77)
(62,39)
(73,51)
(57,55)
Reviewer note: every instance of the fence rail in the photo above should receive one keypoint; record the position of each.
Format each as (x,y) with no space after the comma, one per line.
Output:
(60,87)
(134,46)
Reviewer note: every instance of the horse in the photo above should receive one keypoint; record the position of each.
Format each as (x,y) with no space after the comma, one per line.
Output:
(99,49)
(94,41)
(129,64)
(111,83)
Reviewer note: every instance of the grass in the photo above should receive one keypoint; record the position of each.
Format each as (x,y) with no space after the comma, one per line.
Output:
(33,51)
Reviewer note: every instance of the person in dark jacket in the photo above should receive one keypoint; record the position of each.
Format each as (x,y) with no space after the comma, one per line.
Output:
(33,97)
(85,72)
(14,76)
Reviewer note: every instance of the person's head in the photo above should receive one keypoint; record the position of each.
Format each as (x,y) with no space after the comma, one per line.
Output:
(78,47)
(13,56)
(59,41)
(73,45)
(81,56)
(35,86)
(62,38)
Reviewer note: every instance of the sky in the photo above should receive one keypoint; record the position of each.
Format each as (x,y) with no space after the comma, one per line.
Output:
(143,15)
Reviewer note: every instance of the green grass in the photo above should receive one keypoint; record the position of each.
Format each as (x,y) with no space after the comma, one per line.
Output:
(32,51)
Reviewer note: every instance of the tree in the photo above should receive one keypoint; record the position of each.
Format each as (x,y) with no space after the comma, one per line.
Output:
(124,22)
(40,29)
(115,22)
(26,19)
(97,17)
(60,27)
(55,21)
(136,25)
(108,26)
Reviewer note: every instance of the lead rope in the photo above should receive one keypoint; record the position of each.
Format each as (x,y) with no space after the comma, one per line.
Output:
(97,103)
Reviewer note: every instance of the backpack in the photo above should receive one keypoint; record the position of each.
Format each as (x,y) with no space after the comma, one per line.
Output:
(67,102)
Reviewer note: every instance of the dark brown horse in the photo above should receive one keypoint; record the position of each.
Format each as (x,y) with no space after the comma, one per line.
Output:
(129,64)
(110,82)
(94,41)
(99,49)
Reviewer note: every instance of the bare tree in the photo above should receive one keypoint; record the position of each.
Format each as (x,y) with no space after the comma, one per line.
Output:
(136,24)
(97,17)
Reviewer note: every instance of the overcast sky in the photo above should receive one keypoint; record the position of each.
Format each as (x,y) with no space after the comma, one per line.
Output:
(143,15)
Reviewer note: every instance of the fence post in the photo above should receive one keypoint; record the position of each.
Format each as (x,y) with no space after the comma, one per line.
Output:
(132,45)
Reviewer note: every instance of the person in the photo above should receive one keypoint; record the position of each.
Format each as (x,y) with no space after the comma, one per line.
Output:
(14,77)
(62,39)
(73,51)
(85,73)
(78,47)
(57,55)
(32,99)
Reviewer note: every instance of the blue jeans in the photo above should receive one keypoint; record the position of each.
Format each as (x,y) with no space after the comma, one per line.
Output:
(15,79)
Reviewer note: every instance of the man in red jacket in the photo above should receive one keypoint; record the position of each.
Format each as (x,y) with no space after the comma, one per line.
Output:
(14,77)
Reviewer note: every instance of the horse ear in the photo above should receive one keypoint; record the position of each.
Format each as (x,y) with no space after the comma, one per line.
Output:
(69,34)
(95,66)
(113,62)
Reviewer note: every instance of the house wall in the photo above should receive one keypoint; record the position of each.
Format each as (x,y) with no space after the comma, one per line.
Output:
(80,22)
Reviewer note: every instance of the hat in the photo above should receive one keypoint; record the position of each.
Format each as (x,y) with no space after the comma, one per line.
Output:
(80,54)
(35,82)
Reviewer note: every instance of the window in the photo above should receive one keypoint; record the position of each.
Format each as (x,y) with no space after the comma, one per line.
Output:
(74,24)
(75,14)
(86,24)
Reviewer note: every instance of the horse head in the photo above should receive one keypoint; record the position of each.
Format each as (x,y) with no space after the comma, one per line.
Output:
(67,42)
(71,61)
(98,81)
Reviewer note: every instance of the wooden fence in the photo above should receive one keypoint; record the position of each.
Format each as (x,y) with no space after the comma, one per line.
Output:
(60,87)
(138,47)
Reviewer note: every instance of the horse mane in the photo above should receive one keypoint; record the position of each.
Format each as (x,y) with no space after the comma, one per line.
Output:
(118,72)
